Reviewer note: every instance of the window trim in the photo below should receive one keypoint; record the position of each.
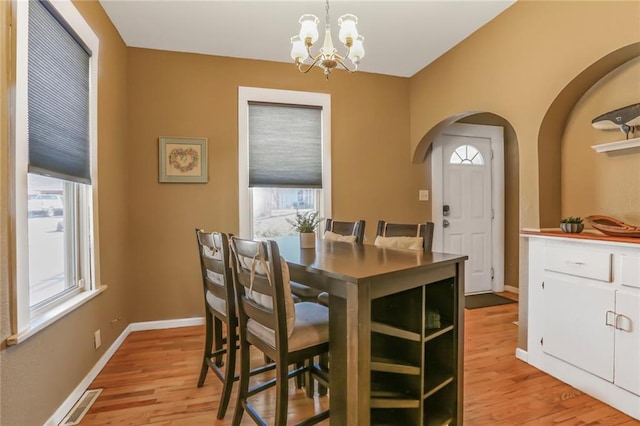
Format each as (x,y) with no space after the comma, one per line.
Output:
(466,161)
(23,323)
(247,94)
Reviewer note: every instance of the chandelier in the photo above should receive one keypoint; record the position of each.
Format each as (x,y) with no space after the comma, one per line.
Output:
(327,58)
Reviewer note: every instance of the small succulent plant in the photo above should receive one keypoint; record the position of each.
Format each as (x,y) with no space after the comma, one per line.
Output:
(571,219)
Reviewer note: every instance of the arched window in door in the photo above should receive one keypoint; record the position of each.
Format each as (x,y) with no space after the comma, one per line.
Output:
(466,155)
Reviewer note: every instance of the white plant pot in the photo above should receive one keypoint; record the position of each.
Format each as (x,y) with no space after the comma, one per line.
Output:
(307,240)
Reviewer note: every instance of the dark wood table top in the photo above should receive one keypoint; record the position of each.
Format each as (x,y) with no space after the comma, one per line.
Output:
(355,262)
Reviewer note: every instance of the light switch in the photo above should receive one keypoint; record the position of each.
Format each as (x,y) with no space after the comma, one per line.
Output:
(423,195)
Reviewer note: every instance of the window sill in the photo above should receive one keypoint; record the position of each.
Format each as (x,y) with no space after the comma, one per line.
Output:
(43,321)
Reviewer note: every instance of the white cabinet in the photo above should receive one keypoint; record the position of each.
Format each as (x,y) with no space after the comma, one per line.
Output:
(627,341)
(575,327)
(584,315)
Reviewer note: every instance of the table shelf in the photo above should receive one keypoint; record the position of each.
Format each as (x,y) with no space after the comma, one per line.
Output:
(393,400)
(432,334)
(389,330)
(414,357)
(388,365)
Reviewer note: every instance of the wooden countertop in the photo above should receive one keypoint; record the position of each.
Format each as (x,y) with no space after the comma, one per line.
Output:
(585,235)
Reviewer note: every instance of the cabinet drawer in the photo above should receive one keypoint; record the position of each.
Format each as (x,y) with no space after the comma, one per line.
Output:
(578,261)
(630,273)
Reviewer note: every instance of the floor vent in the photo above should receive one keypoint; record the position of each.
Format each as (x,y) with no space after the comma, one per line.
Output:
(80,409)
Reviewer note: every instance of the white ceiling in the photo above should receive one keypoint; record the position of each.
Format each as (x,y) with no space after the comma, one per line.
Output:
(401,37)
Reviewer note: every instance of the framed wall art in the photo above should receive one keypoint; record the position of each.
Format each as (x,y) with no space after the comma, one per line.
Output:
(182,160)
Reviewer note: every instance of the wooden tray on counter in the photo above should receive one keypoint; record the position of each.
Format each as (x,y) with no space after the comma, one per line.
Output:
(613,227)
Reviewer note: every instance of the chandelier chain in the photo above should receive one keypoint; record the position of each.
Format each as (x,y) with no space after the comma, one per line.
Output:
(327,20)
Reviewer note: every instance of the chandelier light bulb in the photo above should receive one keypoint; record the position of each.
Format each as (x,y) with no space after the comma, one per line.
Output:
(357,50)
(298,51)
(348,31)
(309,28)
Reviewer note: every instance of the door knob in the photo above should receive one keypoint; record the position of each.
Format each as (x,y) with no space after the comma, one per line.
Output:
(445,223)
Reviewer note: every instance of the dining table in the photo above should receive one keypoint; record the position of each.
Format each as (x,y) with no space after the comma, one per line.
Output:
(396,322)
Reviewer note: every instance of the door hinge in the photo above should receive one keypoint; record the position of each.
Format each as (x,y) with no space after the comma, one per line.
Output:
(542,285)
(492,273)
(492,154)
(542,341)
(493,214)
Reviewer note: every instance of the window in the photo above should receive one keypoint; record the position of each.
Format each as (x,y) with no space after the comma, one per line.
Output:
(466,155)
(284,158)
(55,147)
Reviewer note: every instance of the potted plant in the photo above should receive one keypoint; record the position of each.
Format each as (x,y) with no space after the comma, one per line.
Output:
(306,224)
(572,224)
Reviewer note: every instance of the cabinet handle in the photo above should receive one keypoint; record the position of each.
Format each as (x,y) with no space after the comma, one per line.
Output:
(618,316)
(606,319)
(576,262)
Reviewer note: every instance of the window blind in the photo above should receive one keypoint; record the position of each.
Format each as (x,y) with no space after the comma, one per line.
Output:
(58,99)
(285,146)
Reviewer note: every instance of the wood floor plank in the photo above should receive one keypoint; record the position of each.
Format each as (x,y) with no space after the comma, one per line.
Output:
(151,380)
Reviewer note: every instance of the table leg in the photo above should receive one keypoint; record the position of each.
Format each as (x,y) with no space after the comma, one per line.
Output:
(350,357)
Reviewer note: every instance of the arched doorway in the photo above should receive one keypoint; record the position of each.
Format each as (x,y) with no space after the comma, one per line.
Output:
(467,163)
(511,194)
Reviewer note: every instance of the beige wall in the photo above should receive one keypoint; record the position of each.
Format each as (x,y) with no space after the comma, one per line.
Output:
(529,66)
(606,184)
(38,375)
(177,94)
(515,67)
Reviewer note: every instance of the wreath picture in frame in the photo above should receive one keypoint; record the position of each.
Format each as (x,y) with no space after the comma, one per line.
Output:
(183,160)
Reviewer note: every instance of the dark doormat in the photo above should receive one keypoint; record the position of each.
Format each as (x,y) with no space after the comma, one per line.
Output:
(484,300)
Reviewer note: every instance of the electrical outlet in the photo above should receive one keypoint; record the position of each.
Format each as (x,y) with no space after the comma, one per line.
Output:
(97,339)
(423,195)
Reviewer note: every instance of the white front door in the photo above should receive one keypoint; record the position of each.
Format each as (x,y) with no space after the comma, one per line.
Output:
(466,219)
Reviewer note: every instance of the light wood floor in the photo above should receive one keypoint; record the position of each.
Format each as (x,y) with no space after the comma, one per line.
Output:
(151,380)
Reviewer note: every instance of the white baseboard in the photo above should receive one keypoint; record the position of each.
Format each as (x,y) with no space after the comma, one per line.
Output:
(68,404)
(522,355)
(157,325)
(511,289)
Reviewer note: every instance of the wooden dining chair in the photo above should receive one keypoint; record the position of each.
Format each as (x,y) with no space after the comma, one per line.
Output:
(220,310)
(338,231)
(290,334)
(386,234)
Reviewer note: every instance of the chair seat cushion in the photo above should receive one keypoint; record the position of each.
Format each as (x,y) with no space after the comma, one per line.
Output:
(407,243)
(332,236)
(311,327)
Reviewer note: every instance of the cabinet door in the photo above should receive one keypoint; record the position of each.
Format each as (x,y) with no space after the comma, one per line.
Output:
(627,357)
(575,327)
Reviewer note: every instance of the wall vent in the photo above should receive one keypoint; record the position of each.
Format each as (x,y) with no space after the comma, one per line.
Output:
(81,407)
